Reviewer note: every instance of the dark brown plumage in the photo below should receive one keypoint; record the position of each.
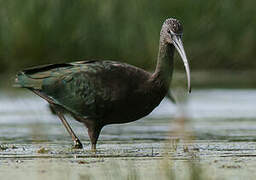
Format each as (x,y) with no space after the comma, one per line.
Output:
(98,93)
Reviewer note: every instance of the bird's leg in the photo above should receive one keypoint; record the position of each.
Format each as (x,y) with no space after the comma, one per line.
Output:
(94,133)
(77,143)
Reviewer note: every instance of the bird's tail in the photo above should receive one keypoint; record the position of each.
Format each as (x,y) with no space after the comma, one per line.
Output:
(22,80)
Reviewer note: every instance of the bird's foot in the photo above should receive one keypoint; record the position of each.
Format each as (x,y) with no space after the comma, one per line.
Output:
(77,144)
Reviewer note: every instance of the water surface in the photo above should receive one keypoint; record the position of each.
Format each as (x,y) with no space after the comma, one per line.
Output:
(214,125)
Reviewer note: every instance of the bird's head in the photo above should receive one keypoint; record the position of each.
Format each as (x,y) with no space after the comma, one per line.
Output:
(172,32)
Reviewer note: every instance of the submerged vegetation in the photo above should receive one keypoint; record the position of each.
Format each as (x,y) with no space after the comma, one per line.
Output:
(217,34)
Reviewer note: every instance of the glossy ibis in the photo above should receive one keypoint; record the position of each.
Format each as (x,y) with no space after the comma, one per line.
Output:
(98,93)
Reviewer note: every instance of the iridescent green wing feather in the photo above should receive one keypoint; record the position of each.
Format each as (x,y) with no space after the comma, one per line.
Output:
(33,77)
(79,87)
(80,91)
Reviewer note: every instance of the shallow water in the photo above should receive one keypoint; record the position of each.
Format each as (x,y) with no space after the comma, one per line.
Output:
(213,124)
(212,114)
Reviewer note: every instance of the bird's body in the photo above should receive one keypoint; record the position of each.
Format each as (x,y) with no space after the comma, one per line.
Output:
(105,92)
(98,93)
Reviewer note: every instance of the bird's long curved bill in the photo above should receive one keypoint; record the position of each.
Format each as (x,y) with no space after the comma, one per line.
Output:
(179,46)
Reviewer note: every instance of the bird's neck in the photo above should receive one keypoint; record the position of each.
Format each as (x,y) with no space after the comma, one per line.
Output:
(164,67)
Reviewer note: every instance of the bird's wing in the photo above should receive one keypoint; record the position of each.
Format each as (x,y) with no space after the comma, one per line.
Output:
(85,88)
(33,77)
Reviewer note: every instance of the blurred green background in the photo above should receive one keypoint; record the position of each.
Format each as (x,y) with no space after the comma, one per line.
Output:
(218,35)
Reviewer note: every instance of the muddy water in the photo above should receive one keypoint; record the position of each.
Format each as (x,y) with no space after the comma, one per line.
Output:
(215,128)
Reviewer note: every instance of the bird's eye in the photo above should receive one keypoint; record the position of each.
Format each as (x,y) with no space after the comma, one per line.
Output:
(170,33)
